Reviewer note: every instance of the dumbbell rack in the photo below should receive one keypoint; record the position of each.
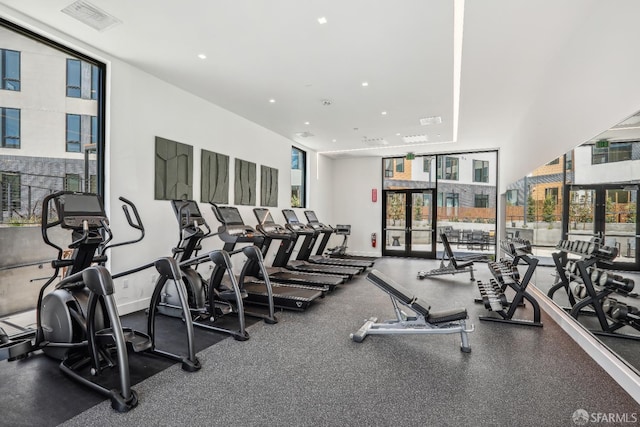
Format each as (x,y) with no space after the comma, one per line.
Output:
(589,288)
(505,275)
(586,251)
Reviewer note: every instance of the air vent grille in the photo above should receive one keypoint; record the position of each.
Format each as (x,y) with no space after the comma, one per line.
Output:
(91,15)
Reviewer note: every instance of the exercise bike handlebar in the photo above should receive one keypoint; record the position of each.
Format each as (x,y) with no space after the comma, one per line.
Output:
(137,224)
(46,225)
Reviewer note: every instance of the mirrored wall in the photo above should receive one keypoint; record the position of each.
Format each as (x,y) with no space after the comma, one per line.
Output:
(589,194)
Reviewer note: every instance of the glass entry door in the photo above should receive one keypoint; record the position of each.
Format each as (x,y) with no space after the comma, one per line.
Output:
(408,224)
(608,211)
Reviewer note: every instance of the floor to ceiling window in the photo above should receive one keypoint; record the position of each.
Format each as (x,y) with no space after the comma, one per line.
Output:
(51,139)
(426,196)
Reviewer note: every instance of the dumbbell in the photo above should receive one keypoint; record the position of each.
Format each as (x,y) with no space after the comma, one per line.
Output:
(503,273)
(595,275)
(625,312)
(620,283)
(578,289)
(609,304)
(607,252)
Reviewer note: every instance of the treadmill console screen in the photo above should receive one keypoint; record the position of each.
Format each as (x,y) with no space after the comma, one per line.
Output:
(263,216)
(311,216)
(230,215)
(290,216)
(74,208)
(188,210)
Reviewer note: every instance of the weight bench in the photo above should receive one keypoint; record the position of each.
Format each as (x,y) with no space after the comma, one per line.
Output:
(422,322)
(455,265)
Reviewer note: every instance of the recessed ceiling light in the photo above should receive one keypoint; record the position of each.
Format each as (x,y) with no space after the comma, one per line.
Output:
(333,140)
(272,100)
(202,56)
(322,20)
(365,84)
(398,134)
(307,123)
(384,113)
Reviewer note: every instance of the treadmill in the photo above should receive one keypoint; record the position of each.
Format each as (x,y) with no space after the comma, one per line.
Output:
(310,237)
(257,291)
(283,257)
(234,230)
(341,250)
(280,271)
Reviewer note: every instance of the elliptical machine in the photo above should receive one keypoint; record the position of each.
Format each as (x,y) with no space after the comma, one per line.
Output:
(78,322)
(223,294)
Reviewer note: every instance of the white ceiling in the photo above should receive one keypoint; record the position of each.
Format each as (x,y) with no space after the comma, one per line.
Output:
(514,56)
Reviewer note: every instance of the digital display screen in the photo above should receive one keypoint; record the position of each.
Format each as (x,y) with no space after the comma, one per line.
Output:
(290,216)
(74,204)
(263,216)
(311,216)
(187,207)
(230,215)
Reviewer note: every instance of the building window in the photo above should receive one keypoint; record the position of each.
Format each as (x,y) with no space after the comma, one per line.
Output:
(554,162)
(10,128)
(568,160)
(10,69)
(450,170)
(298,177)
(451,200)
(10,189)
(72,182)
(615,152)
(388,168)
(480,171)
(481,201)
(81,130)
(512,197)
(426,164)
(73,133)
(551,193)
(83,79)
(93,184)
(400,165)
(618,196)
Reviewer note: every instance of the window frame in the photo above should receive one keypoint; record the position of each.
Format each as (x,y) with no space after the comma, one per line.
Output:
(399,164)
(4,72)
(302,166)
(3,129)
(101,94)
(483,198)
(615,150)
(483,169)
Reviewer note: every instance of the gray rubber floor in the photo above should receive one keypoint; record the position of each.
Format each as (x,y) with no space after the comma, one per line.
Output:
(306,371)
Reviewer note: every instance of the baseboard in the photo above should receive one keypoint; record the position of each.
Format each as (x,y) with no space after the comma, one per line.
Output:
(622,373)
(133,306)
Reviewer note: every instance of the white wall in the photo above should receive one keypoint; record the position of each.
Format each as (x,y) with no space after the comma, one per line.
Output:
(142,107)
(353,179)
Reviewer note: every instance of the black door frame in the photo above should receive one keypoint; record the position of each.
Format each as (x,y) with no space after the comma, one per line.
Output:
(599,217)
(407,250)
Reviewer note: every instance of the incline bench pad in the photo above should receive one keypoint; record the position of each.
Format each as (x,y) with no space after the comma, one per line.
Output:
(390,286)
(447,315)
(419,305)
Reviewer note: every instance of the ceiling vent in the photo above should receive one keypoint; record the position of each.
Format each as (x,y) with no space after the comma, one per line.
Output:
(374,142)
(91,15)
(433,120)
(326,102)
(304,134)
(413,139)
